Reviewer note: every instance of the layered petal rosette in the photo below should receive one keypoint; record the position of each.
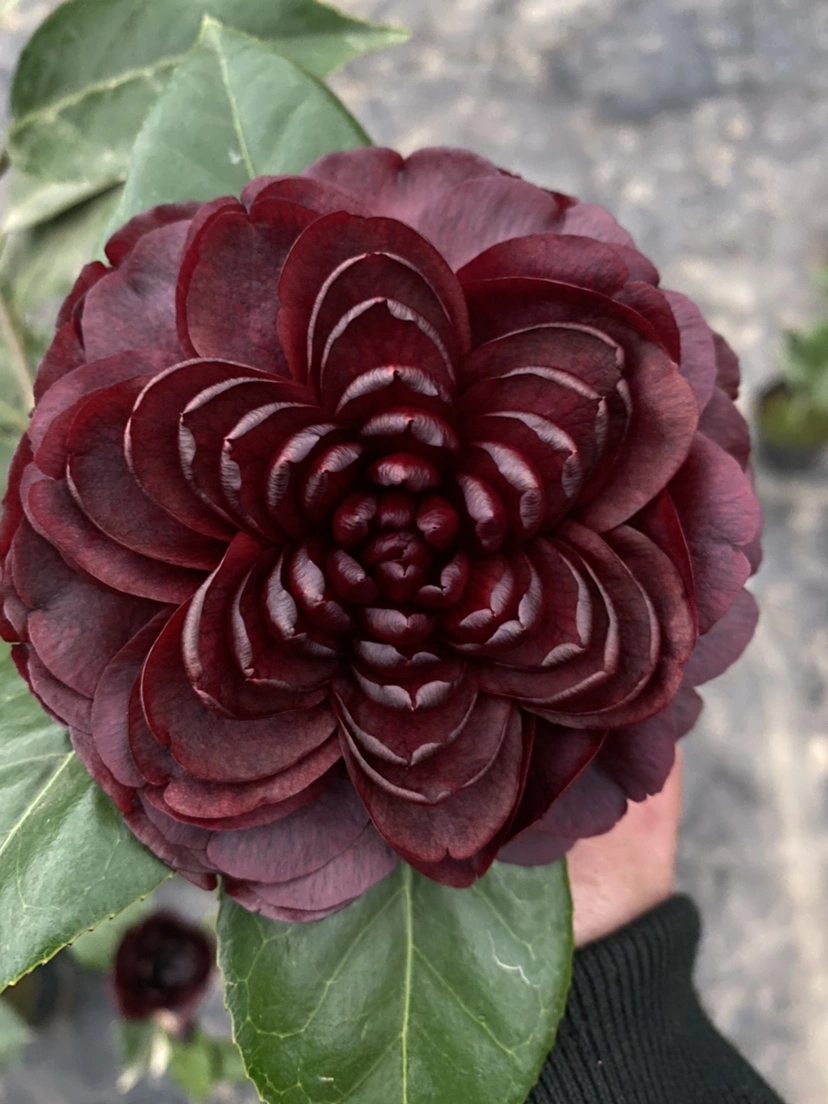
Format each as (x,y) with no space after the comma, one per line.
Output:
(389,512)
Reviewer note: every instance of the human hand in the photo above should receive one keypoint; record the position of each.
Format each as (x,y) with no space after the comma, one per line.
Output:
(619,876)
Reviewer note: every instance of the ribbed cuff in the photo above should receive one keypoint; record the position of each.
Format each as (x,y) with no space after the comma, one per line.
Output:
(634,1031)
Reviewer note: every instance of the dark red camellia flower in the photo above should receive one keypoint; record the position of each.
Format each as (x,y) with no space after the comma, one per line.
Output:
(390,512)
(162,965)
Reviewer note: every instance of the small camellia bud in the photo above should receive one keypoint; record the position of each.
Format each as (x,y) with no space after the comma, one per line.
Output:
(162,969)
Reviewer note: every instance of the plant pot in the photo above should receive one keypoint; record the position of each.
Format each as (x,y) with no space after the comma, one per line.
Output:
(792,432)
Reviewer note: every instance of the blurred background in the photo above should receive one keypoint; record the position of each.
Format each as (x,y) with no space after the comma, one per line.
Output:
(704,127)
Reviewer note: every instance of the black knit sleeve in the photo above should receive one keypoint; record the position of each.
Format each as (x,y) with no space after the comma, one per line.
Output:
(634,1031)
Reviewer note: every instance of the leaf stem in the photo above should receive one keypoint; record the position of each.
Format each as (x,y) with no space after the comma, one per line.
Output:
(5,161)
(17,355)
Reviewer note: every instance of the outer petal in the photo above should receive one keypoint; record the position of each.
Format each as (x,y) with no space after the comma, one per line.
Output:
(75,625)
(720,516)
(133,307)
(400,188)
(325,891)
(630,764)
(55,514)
(124,240)
(724,643)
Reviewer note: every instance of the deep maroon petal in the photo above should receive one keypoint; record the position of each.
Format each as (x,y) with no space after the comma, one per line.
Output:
(325,279)
(406,719)
(64,704)
(452,768)
(293,846)
(663,410)
(224,807)
(724,642)
(53,416)
(562,257)
(212,639)
(727,367)
(324,891)
(398,187)
(106,490)
(227,298)
(559,757)
(110,710)
(152,440)
(461,825)
(720,516)
(63,355)
(124,240)
(213,747)
(133,307)
(722,423)
(76,625)
(592,221)
(316,195)
(698,353)
(55,514)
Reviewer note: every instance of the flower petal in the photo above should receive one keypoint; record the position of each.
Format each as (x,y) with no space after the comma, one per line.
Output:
(720,516)
(216,748)
(227,298)
(76,625)
(133,306)
(462,825)
(106,491)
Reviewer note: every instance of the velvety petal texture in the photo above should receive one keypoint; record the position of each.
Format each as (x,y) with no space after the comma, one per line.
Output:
(387,512)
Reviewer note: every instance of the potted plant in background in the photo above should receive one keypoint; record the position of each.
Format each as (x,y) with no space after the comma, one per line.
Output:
(792,412)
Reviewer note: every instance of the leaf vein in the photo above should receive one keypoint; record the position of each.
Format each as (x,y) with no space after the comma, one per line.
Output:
(27,812)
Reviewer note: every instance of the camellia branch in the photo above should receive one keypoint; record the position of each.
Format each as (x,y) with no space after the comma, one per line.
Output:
(17,355)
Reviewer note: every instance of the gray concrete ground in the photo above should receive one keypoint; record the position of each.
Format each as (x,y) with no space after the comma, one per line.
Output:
(703,126)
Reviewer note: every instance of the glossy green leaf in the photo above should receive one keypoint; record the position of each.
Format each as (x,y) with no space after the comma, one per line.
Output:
(415,994)
(91,73)
(67,861)
(234,109)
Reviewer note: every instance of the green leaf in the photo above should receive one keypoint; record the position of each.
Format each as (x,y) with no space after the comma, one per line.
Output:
(415,994)
(15,371)
(67,860)
(225,1059)
(90,74)
(32,200)
(14,1033)
(95,950)
(41,264)
(234,109)
(191,1067)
